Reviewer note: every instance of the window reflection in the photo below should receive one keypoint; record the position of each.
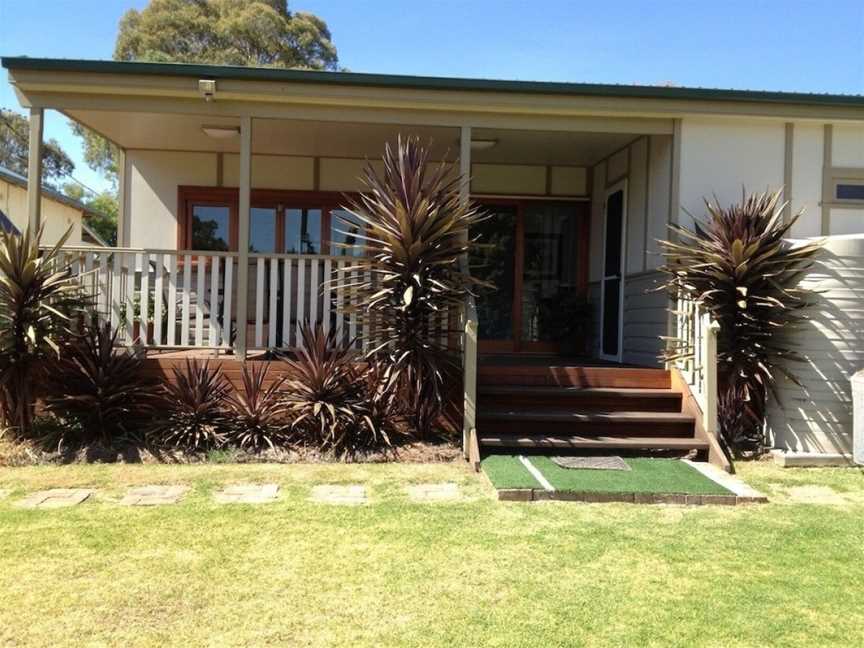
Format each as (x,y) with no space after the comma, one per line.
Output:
(345,234)
(303,231)
(210,227)
(262,229)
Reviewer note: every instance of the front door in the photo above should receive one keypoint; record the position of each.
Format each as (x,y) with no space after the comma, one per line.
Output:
(612,282)
(535,254)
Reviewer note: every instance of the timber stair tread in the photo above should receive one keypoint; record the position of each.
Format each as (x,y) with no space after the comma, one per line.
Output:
(573,441)
(523,414)
(565,391)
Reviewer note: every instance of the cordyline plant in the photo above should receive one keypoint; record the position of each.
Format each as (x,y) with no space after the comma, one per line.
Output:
(105,393)
(39,300)
(740,269)
(193,408)
(416,227)
(257,414)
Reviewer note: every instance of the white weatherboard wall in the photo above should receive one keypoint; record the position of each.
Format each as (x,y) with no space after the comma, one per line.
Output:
(57,217)
(847,151)
(646,166)
(819,418)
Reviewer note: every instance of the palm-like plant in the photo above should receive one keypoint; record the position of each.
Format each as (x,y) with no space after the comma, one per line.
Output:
(39,299)
(740,269)
(105,393)
(322,389)
(193,408)
(416,228)
(257,415)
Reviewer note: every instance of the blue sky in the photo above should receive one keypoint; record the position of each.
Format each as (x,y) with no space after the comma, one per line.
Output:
(805,45)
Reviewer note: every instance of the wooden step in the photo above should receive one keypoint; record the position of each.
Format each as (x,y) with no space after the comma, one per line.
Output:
(579,398)
(540,422)
(573,376)
(581,442)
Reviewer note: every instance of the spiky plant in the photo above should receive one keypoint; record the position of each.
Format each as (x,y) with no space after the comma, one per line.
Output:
(416,228)
(323,390)
(740,269)
(39,299)
(192,412)
(257,415)
(379,410)
(105,392)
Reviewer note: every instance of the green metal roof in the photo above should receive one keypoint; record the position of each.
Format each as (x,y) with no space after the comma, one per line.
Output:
(428,83)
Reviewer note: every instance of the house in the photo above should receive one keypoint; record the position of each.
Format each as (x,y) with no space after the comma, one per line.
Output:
(232,182)
(59,212)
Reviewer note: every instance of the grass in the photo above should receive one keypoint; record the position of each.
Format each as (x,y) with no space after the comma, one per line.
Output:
(394,573)
(644,476)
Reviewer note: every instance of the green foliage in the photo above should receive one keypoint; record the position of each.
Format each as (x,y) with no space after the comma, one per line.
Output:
(104,206)
(225,32)
(14,149)
(100,155)
(38,300)
(192,411)
(106,394)
(257,412)
(739,267)
(418,229)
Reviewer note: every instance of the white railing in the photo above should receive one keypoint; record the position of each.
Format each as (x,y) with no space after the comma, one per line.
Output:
(187,298)
(695,356)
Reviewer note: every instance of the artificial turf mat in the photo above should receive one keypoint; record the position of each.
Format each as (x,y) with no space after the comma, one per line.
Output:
(662,476)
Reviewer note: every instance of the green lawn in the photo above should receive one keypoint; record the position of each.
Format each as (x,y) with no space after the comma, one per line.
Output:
(644,476)
(393,573)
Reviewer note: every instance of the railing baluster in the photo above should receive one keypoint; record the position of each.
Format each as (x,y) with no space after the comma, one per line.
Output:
(301,296)
(214,302)
(287,295)
(199,301)
(144,300)
(314,292)
(131,263)
(259,302)
(327,293)
(340,300)
(272,311)
(157,299)
(116,279)
(171,262)
(187,289)
(226,310)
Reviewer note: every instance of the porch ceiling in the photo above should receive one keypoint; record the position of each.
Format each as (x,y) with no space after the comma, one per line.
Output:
(183,132)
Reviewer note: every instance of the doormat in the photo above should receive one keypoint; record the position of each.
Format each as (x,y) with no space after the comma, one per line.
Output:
(591,463)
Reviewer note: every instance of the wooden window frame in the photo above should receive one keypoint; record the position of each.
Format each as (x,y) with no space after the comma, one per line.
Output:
(190,196)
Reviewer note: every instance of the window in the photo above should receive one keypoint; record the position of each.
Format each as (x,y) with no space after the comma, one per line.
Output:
(211,226)
(291,222)
(850,190)
(345,234)
(302,231)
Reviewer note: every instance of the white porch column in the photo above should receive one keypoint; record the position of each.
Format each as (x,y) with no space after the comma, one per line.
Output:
(243,234)
(34,170)
(465,163)
(124,224)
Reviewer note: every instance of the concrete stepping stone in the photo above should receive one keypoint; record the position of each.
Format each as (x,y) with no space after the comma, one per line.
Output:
(445,492)
(153,495)
(247,494)
(3,493)
(56,498)
(337,494)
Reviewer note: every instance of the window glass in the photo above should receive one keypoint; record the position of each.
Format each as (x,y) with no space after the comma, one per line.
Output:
(345,228)
(210,227)
(850,191)
(262,230)
(302,231)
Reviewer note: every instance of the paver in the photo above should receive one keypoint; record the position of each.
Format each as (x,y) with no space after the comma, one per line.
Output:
(444,492)
(338,494)
(56,498)
(3,493)
(153,495)
(247,494)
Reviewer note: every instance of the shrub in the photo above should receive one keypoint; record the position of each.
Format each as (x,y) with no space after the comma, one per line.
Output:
(39,299)
(739,268)
(417,227)
(103,392)
(323,391)
(379,411)
(257,415)
(193,408)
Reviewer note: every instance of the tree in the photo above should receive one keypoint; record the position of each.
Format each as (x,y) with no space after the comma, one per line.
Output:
(224,32)
(14,149)
(103,218)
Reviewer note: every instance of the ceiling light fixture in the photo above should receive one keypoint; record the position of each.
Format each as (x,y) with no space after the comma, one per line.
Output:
(482,144)
(221,132)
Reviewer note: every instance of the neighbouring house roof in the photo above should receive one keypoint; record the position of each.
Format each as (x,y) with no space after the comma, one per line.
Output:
(7,225)
(430,83)
(52,194)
